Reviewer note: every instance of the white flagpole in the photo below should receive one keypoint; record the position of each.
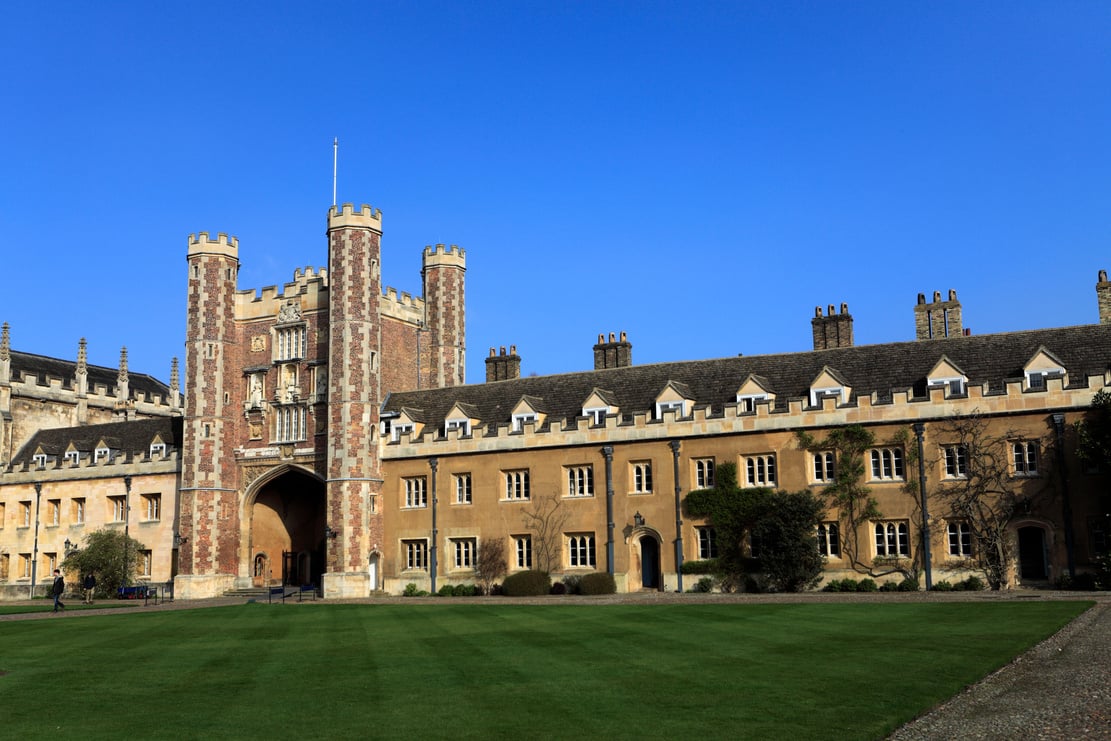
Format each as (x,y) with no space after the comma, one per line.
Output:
(335,159)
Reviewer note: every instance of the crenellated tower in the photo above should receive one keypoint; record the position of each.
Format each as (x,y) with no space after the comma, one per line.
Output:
(443,271)
(354,477)
(209,523)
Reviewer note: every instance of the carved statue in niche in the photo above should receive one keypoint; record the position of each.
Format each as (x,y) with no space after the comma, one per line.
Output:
(255,394)
(321,383)
(290,312)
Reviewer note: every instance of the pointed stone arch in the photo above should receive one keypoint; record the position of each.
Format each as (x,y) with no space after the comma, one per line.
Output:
(283,511)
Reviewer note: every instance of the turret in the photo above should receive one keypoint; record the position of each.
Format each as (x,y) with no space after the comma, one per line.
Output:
(443,270)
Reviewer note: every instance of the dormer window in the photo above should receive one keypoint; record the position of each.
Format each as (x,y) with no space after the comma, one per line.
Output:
(747,402)
(39,459)
(1035,380)
(952,386)
(1043,365)
(400,429)
(679,407)
(817,394)
(157,450)
(597,415)
(102,454)
(73,457)
(520,420)
(463,425)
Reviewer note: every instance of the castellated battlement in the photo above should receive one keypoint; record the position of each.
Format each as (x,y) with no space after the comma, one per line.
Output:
(402,305)
(202,244)
(443,255)
(901,408)
(309,286)
(366,217)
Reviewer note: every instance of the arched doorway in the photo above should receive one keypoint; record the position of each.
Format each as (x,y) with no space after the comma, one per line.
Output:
(287,517)
(649,562)
(1033,558)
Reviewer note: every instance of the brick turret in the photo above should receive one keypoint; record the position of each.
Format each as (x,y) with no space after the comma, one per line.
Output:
(443,271)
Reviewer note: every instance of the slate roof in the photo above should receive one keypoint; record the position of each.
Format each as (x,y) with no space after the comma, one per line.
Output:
(44,367)
(993,358)
(134,436)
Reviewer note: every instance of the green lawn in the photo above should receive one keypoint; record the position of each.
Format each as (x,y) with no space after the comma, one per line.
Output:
(799,671)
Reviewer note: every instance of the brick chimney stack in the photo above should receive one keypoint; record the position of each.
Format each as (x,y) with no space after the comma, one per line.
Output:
(617,353)
(833,330)
(502,367)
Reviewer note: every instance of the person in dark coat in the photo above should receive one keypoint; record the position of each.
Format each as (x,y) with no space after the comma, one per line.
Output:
(57,589)
(89,585)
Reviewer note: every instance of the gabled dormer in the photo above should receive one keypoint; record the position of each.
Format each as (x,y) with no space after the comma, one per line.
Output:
(752,390)
(529,410)
(1041,366)
(599,405)
(828,383)
(675,397)
(945,374)
(409,422)
(73,455)
(158,448)
(42,457)
(462,417)
(103,451)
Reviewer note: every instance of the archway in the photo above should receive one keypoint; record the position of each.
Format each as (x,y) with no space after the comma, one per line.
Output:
(1033,560)
(649,562)
(287,517)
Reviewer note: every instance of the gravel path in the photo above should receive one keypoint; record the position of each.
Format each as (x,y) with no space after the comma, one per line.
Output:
(1060,689)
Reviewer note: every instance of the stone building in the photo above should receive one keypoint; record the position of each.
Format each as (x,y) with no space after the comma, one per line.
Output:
(327,436)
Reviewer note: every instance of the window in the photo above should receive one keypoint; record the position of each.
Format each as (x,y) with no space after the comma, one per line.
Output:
(416,494)
(955,386)
(289,424)
(416,554)
(1097,532)
(73,457)
(834,392)
(145,560)
(3,512)
(642,477)
(887,464)
(522,549)
(39,459)
(823,467)
(1025,458)
(597,415)
(580,481)
(707,542)
(517,485)
(152,506)
(829,540)
(892,540)
(704,473)
(291,343)
(157,450)
(5,564)
(960,539)
(102,454)
(679,407)
(49,562)
(463,425)
(956,462)
(79,510)
(520,420)
(760,470)
(399,430)
(54,512)
(747,402)
(462,488)
(463,550)
(25,514)
(24,565)
(119,508)
(580,551)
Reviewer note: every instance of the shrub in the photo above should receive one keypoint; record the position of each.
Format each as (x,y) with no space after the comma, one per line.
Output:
(705,584)
(889,586)
(866,585)
(1085,582)
(600,582)
(756,585)
(705,566)
(527,584)
(971,584)
(910,584)
(446,591)
(833,585)
(559,588)
(410,590)
(572,584)
(943,586)
(464,590)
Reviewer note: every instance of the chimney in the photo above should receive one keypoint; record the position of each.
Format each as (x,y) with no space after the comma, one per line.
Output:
(834,330)
(613,354)
(938,318)
(502,367)
(1103,297)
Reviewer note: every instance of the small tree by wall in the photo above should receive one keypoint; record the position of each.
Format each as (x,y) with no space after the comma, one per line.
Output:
(490,564)
(545,517)
(105,553)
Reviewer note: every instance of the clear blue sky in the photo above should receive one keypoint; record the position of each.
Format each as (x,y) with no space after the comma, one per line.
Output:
(699,175)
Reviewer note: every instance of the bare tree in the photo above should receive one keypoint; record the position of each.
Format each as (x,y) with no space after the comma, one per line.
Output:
(490,564)
(988,482)
(545,516)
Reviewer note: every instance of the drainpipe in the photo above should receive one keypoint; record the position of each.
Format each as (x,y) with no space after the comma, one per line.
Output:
(674,445)
(607,452)
(126,523)
(1066,502)
(927,559)
(433,463)
(35,555)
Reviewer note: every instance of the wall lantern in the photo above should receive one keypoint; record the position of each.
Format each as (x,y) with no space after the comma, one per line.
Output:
(638,519)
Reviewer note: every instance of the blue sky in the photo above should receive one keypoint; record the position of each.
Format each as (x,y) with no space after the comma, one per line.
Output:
(698,175)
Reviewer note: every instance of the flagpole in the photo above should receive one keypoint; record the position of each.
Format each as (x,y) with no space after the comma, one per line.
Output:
(335,159)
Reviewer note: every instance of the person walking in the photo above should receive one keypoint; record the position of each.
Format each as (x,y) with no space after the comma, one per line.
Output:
(57,589)
(90,587)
